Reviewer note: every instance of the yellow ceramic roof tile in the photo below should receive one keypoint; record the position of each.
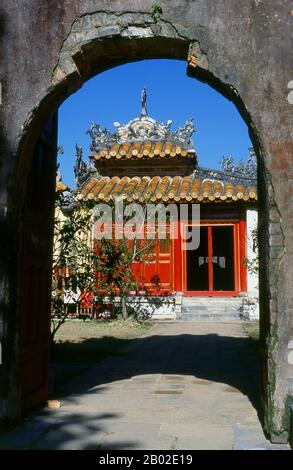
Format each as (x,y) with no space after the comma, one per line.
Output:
(120,186)
(157,148)
(251,192)
(152,186)
(218,188)
(114,150)
(124,149)
(167,188)
(135,148)
(108,188)
(153,195)
(195,188)
(100,184)
(168,148)
(129,152)
(151,150)
(162,188)
(229,189)
(60,186)
(239,189)
(140,188)
(139,150)
(131,185)
(206,188)
(174,187)
(146,148)
(206,185)
(185,185)
(87,186)
(91,186)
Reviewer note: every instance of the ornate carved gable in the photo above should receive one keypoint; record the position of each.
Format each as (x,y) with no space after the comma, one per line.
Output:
(141,129)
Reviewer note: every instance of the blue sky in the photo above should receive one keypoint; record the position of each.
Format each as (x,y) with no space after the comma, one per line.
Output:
(114,95)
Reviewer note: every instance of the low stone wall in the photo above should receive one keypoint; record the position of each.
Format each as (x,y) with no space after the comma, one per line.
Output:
(155,308)
(251,303)
(249,310)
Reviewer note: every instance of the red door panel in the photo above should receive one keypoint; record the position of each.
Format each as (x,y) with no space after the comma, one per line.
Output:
(154,274)
(214,268)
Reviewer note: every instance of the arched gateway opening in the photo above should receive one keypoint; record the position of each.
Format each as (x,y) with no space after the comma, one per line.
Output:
(95,43)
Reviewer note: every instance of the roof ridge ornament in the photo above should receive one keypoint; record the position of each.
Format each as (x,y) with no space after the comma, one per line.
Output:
(245,168)
(144,112)
(141,129)
(81,168)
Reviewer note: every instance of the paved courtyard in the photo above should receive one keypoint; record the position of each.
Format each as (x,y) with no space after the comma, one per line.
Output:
(183,385)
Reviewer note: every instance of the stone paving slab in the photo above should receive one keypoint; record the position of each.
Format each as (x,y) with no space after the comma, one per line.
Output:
(200,437)
(252,438)
(140,435)
(184,385)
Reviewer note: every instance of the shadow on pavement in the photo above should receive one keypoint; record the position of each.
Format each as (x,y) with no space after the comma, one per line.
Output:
(233,361)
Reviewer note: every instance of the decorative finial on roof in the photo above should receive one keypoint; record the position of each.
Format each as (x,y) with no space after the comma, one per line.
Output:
(144,112)
(141,129)
(60,151)
(245,168)
(81,169)
(58,173)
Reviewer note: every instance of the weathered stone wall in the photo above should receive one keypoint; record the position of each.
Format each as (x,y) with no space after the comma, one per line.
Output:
(49,49)
(252,265)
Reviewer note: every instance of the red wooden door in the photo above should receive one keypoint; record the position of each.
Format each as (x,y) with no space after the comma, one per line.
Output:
(165,263)
(154,274)
(214,268)
(35,270)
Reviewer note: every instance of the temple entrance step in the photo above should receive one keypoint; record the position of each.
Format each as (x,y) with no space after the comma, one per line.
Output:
(210,308)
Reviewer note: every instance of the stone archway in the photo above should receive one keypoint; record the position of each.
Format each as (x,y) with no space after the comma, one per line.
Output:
(95,41)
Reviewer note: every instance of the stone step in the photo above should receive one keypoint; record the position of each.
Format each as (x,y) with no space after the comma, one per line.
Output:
(200,308)
(210,308)
(211,300)
(211,317)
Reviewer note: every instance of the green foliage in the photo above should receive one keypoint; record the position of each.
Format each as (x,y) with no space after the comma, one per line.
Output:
(99,268)
(113,269)
(252,329)
(253,264)
(72,250)
(156,11)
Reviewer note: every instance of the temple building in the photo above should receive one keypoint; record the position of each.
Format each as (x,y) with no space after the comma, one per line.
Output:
(145,161)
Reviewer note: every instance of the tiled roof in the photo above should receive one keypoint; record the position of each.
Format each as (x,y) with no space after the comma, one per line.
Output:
(143,150)
(60,186)
(166,189)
